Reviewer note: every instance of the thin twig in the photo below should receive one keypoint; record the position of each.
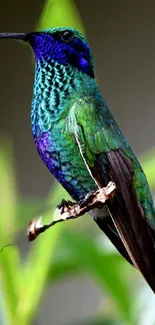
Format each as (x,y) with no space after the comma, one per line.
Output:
(71,210)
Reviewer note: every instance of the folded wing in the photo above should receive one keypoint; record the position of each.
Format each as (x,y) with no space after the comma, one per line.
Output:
(108,157)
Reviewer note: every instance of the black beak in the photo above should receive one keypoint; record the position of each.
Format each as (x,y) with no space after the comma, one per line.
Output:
(17,36)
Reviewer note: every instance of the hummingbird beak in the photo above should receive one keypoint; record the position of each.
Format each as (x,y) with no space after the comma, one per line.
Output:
(17,36)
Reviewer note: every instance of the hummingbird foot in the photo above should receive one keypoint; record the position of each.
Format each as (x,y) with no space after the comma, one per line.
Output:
(63,204)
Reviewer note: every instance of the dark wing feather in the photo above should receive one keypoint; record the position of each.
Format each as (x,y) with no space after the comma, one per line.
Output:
(100,172)
(108,157)
(129,217)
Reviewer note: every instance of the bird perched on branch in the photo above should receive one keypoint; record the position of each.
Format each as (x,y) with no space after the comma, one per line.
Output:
(83,147)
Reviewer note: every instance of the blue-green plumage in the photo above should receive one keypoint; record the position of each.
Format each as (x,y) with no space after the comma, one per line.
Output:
(82,145)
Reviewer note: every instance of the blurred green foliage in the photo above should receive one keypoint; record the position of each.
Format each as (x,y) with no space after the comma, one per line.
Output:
(60,13)
(63,249)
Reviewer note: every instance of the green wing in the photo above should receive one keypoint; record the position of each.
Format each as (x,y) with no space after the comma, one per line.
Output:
(97,134)
(108,156)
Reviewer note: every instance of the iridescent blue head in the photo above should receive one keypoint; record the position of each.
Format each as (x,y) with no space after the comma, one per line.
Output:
(65,46)
(64,70)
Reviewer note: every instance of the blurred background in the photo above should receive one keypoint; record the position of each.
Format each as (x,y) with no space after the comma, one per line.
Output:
(72,274)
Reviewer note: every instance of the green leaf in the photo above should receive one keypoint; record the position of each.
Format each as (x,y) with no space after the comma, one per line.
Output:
(61,13)
(63,267)
(65,260)
(36,267)
(105,268)
(9,256)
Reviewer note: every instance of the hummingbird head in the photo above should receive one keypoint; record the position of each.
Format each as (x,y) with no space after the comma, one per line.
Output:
(66,46)
(64,70)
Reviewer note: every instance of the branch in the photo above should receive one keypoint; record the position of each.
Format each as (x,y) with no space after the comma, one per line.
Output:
(71,210)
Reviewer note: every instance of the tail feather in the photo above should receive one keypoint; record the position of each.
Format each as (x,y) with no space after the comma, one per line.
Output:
(130,221)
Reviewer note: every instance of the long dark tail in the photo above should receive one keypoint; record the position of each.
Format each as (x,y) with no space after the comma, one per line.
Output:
(129,219)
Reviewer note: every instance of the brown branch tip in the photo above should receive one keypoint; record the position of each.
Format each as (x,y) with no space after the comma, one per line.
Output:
(71,210)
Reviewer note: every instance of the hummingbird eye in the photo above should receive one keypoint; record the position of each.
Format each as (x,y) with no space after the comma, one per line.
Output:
(67,36)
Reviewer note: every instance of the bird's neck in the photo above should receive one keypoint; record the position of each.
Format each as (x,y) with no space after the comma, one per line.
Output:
(56,88)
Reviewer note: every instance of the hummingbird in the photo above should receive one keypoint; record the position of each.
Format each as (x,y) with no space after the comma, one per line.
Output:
(82,145)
